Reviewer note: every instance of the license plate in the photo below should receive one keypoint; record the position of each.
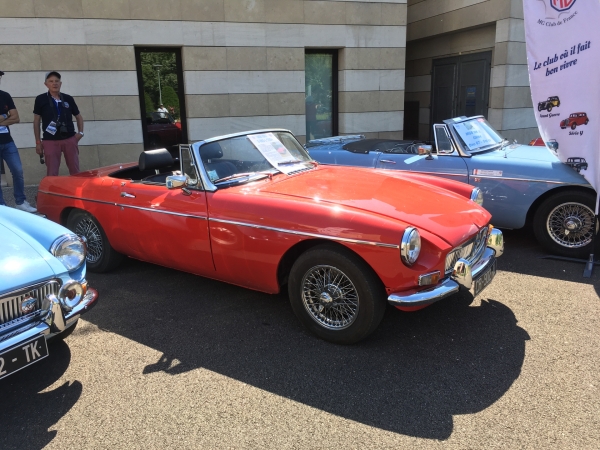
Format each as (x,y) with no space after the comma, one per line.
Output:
(484,279)
(23,355)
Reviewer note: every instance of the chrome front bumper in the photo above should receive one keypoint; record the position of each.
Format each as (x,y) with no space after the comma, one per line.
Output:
(49,321)
(465,275)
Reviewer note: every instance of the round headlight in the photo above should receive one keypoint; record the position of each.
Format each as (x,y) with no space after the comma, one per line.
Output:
(410,246)
(477,196)
(69,250)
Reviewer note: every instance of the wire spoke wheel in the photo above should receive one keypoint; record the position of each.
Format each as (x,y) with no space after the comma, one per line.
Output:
(571,225)
(330,297)
(87,228)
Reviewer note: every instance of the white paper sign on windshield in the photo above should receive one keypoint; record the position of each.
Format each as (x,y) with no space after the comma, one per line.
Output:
(275,152)
(474,135)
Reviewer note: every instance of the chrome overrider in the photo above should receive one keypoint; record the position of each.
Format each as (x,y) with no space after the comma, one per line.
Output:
(464,275)
(56,313)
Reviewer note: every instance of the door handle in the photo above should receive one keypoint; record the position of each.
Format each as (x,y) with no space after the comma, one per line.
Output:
(388,161)
(125,194)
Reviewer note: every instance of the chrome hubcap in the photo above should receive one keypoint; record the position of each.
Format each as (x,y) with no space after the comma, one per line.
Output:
(571,225)
(88,229)
(330,297)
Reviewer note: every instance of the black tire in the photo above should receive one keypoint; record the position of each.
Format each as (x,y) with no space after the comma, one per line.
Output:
(318,305)
(549,108)
(587,121)
(564,223)
(65,334)
(573,125)
(101,257)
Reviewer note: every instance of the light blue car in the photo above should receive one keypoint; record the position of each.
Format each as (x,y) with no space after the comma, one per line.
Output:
(43,290)
(521,184)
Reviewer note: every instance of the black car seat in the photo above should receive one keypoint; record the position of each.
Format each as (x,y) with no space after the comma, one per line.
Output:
(210,154)
(156,160)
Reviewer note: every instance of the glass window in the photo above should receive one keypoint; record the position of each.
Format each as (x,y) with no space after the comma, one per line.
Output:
(320,93)
(161,93)
(188,167)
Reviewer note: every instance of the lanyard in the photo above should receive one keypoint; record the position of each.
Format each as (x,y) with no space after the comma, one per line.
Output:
(51,101)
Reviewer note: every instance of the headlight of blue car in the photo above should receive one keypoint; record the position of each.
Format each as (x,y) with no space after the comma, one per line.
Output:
(69,250)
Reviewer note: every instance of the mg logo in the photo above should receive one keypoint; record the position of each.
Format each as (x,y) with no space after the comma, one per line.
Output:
(562,5)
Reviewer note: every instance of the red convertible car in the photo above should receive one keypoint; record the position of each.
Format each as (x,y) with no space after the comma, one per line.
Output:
(253,209)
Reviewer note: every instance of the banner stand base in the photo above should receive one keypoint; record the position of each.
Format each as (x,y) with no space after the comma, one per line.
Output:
(589,263)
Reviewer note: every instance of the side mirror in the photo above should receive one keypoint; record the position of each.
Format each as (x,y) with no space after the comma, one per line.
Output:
(180,182)
(425,150)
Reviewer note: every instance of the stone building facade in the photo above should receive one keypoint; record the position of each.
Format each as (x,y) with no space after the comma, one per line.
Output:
(453,31)
(243,65)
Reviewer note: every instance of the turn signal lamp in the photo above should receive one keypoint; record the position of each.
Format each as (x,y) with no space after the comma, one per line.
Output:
(429,278)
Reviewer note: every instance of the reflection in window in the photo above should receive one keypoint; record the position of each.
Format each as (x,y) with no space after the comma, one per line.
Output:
(320,94)
(161,97)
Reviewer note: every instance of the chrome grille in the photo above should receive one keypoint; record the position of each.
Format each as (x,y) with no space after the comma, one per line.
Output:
(10,304)
(470,250)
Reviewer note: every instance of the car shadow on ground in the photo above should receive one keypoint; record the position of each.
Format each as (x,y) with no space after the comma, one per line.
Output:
(26,413)
(411,376)
(523,245)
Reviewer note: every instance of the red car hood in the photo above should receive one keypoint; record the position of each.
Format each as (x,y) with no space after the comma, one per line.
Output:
(392,194)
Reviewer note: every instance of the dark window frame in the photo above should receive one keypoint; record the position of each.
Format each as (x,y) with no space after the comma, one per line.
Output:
(180,85)
(334,83)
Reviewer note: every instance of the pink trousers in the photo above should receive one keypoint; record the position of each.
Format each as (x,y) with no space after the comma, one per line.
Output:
(53,150)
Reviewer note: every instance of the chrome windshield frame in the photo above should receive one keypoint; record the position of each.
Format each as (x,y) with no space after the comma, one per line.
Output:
(205,179)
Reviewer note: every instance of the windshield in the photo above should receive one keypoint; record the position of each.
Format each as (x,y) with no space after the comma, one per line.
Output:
(476,134)
(241,158)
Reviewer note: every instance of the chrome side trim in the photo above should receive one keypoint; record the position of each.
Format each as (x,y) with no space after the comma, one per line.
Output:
(524,179)
(163,212)
(120,205)
(78,198)
(441,173)
(303,233)
(242,224)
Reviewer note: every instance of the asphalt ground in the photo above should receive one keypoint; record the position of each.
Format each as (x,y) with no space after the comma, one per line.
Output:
(172,360)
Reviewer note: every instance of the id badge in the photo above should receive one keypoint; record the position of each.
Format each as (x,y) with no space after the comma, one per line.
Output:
(51,129)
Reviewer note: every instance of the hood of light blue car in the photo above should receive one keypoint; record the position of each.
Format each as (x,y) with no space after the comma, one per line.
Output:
(23,261)
(530,152)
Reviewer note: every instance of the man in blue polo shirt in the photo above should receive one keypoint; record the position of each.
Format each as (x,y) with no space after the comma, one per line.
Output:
(9,151)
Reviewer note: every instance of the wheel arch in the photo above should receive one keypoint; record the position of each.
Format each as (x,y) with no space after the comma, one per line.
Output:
(542,198)
(65,213)
(292,254)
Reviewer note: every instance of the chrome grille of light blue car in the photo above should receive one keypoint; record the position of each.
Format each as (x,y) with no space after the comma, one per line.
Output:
(11,303)
(470,250)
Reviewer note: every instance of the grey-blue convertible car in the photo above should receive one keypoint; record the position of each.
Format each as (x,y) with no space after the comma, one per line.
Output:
(521,184)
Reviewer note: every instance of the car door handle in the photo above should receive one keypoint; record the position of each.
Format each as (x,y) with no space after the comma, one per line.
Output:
(388,161)
(125,194)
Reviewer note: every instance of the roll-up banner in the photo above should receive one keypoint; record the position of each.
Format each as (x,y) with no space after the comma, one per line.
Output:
(563,57)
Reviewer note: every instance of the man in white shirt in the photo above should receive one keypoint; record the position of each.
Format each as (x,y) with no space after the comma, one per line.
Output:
(162,110)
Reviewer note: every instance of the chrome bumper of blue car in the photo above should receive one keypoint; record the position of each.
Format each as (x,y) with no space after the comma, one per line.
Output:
(470,276)
(49,321)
